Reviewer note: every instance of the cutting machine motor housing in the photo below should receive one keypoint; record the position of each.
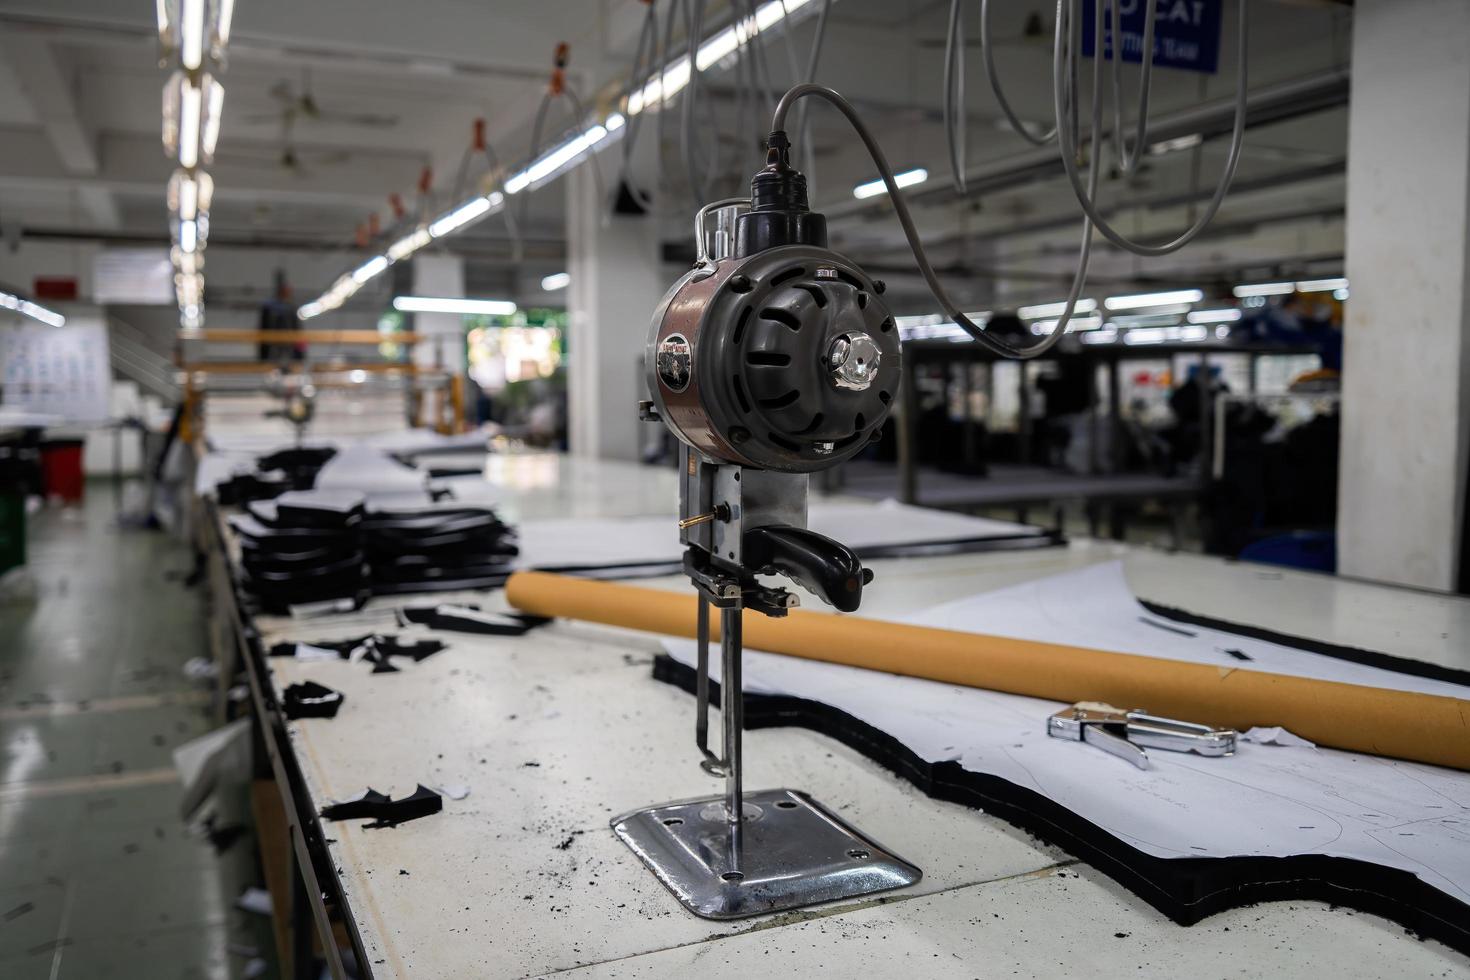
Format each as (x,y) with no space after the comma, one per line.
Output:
(783,355)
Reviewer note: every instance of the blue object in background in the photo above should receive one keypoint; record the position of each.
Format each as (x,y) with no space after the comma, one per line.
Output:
(1312,551)
(1186,33)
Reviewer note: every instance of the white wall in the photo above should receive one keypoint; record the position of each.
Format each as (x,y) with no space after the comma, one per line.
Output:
(1406,391)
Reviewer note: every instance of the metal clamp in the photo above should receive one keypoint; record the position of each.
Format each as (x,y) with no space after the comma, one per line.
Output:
(1125,733)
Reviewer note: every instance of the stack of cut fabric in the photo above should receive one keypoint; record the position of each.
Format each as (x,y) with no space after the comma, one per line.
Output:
(340,546)
(437,548)
(303,548)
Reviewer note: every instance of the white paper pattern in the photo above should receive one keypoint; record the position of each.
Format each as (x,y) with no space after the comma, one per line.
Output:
(1267,799)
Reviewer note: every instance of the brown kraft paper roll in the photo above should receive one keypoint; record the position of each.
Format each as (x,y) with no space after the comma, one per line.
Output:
(1403,725)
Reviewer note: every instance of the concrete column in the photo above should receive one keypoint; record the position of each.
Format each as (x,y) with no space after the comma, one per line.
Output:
(1406,391)
(616,282)
(439,275)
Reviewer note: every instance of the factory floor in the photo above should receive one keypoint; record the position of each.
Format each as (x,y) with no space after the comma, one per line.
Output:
(99,876)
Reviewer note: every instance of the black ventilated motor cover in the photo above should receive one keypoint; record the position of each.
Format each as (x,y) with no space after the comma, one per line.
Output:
(761,358)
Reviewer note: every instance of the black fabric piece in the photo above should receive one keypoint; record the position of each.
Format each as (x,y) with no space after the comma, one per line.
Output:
(368,805)
(302,463)
(252,486)
(311,700)
(385,812)
(384,667)
(377,649)
(1187,890)
(1368,658)
(469,619)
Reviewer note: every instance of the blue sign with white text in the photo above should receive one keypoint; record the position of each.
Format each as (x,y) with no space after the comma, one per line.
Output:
(1186,32)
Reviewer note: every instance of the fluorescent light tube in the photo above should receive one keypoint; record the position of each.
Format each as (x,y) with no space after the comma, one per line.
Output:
(875,187)
(189,103)
(1140,300)
(408,244)
(370,268)
(555,281)
(1263,289)
(188,198)
(1214,316)
(222,22)
(460,217)
(188,236)
(212,117)
(33,310)
(1322,285)
(1049,310)
(191,44)
(450,304)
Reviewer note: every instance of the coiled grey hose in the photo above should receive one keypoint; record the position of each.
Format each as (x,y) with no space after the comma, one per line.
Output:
(694,25)
(1086,197)
(802,128)
(955,114)
(987,56)
(579,114)
(645,59)
(954,96)
(1128,162)
(493,162)
(906,221)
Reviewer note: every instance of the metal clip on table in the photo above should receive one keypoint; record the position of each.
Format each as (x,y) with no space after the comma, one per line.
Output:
(769,364)
(1126,733)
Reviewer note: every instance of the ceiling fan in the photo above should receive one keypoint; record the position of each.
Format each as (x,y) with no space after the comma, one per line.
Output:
(302,106)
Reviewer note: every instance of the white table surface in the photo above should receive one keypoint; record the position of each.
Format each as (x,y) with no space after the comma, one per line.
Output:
(558,731)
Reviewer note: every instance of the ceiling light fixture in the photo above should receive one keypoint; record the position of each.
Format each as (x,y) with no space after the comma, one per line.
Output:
(1141,300)
(1321,285)
(663,84)
(1263,289)
(1051,310)
(452,304)
(875,187)
(1214,316)
(555,281)
(35,311)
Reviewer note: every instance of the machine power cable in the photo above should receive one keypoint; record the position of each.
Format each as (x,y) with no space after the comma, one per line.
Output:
(911,233)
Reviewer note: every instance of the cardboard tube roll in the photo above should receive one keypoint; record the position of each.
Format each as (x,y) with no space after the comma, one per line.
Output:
(1403,725)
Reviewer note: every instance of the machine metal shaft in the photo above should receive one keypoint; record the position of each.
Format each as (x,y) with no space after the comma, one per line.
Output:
(701,682)
(733,715)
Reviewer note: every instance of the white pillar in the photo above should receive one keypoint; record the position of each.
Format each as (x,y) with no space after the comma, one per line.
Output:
(615,284)
(441,276)
(1406,387)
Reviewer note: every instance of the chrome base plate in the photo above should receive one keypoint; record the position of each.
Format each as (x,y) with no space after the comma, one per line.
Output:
(795,853)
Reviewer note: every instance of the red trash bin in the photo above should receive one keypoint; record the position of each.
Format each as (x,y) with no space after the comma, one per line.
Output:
(61,469)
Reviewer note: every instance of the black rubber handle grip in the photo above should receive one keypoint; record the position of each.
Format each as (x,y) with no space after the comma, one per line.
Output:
(829,569)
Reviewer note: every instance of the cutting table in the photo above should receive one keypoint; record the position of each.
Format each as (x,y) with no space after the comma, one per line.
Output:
(556,731)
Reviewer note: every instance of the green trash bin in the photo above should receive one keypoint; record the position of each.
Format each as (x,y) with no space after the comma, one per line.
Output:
(16,465)
(12,527)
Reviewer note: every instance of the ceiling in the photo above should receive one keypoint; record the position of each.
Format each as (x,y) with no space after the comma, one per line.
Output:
(398,86)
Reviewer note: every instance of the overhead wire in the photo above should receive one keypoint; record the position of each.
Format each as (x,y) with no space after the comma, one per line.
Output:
(1066,132)
(1064,48)
(492,164)
(1128,161)
(694,24)
(1087,198)
(561,89)
(645,61)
